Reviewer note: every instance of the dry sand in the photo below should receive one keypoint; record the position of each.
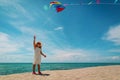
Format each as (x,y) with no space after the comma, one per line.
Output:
(92,73)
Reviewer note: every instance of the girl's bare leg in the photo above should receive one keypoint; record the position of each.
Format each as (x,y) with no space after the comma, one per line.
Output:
(39,69)
(34,65)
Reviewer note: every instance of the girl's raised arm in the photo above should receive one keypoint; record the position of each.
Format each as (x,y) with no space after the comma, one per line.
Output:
(34,41)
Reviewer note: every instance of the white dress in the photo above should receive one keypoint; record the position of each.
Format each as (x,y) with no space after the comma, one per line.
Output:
(37,56)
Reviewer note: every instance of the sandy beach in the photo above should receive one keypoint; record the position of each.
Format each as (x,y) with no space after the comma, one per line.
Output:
(92,73)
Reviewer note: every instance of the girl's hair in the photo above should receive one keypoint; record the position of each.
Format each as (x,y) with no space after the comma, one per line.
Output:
(39,44)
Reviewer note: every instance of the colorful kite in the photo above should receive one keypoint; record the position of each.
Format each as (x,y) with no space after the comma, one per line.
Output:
(59,7)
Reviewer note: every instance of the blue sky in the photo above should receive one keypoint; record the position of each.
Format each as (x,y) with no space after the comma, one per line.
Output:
(80,33)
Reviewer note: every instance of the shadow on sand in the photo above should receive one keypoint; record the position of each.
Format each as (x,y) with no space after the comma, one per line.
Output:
(43,74)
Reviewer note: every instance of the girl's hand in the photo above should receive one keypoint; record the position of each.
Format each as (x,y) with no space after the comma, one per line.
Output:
(34,37)
(44,55)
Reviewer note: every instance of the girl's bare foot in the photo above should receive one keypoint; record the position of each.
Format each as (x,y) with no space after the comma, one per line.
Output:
(39,73)
(34,73)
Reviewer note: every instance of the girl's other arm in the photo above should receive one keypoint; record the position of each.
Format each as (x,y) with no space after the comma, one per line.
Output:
(43,54)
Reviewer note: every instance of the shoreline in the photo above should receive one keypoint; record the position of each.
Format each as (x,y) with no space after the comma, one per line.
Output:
(89,73)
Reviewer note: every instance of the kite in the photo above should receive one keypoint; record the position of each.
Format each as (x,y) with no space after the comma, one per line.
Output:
(59,7)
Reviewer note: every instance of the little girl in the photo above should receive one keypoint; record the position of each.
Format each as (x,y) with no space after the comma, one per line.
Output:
(37,55)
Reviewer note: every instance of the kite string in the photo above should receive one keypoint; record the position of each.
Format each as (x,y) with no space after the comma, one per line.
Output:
(91,3)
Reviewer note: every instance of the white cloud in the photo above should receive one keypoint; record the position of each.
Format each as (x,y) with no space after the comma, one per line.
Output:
(115,57)
(70,55)
(15,10)
(7,2)
(114,50)
(6,44)
(23,11)
(4,37)
(16,58)
(14,49)
(26,30)
(58,28)
(113,35)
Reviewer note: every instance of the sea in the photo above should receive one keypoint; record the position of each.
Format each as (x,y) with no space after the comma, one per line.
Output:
(13,68)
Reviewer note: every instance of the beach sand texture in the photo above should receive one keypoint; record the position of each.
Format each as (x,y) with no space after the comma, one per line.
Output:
(92,73)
